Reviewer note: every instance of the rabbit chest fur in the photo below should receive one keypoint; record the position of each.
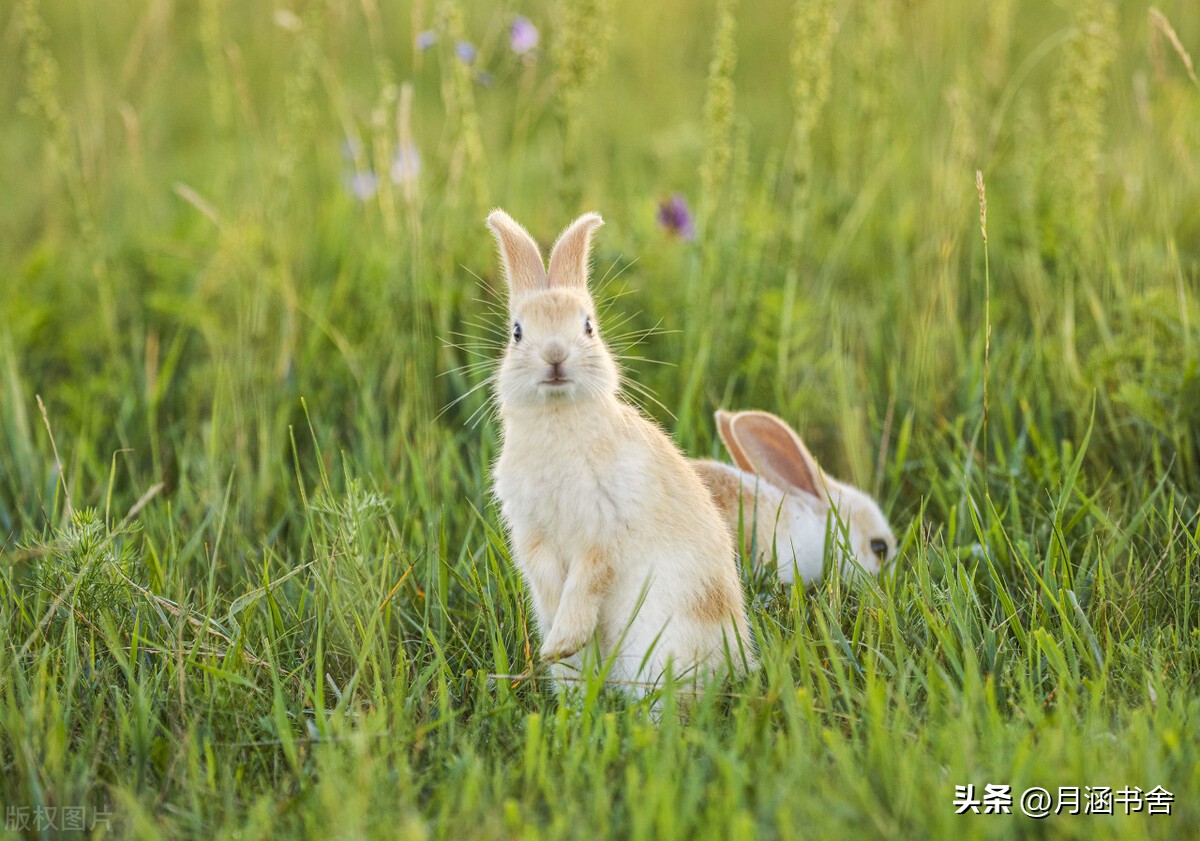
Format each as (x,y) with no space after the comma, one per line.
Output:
(604,495)
(578,489)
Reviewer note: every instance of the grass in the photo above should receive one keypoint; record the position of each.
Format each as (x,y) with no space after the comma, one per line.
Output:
(252,582)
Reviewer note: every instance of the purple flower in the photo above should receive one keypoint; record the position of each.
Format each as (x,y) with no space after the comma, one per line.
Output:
(523,36)
(426,39)
(676,219)
(465,51)
(406,164)
(363,184)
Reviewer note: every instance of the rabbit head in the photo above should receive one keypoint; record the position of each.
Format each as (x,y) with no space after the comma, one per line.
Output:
(762,444)
(554,351)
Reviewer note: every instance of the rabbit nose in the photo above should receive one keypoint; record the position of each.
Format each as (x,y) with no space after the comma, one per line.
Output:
(554,354)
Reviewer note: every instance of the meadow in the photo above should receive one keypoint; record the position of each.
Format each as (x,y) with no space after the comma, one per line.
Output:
(253,583)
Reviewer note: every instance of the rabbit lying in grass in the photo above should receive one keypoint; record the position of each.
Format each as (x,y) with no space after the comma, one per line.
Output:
(615,535)
(783,501)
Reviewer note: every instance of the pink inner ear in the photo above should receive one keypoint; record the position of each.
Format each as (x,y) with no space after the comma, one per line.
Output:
(771,447)
(725,430)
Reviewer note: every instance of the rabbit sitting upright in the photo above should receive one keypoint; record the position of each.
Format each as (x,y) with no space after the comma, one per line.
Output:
(787,505)
(615,535)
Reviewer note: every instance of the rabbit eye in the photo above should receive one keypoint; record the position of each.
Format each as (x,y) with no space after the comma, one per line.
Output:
(588,330)
(880,548)
(516,332)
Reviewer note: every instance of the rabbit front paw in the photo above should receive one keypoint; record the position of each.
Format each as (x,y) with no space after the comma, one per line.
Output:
(562,642)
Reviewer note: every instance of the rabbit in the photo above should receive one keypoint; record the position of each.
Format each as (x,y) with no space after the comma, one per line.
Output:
(620,545)
(783,500)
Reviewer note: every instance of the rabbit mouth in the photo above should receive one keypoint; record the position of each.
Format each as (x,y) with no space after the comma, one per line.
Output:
(556,375)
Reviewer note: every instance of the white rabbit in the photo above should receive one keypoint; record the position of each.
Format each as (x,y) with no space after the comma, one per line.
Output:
(617,538)
(784,500)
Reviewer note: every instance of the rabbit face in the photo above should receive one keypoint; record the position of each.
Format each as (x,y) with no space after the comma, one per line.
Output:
(859,537)
(867,541)
(555,351)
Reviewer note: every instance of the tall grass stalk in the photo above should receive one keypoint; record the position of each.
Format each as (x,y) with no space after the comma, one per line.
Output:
(578,51)
(1077,107)
(44,100)
(811,61)
(466,174)
(987,329)
(719,102)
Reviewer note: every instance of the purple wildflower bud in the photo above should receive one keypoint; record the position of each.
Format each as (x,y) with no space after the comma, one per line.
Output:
(676,219)
(426,39)
(363,184)
(465,51)
(523,36)
(406,164)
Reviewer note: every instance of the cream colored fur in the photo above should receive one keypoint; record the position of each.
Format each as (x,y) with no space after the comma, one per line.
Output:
(626,557)
(786,505)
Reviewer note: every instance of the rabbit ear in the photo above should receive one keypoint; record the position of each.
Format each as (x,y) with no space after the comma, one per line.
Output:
(523,267)
(569,257)
(725,430)
(776,453)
